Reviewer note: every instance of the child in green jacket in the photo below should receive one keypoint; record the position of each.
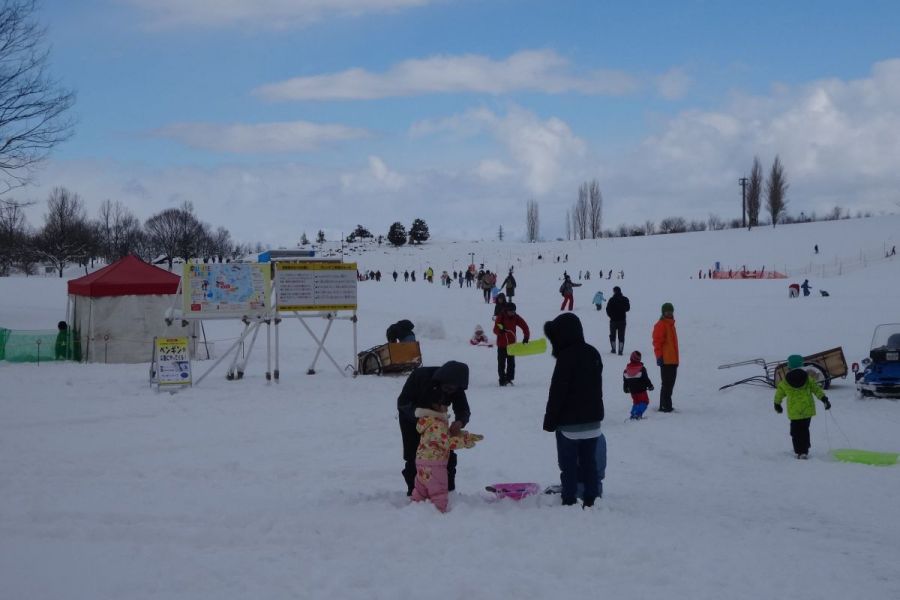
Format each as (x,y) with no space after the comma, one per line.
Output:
(799,388)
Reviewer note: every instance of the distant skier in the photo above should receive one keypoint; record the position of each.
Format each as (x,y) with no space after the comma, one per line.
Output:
(805,287)
(405,275)
(394,275)
(567,289)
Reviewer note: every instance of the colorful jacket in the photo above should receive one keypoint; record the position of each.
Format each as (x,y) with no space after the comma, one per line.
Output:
(505,329)
(799,388)
(435,441)
(665,341)
(635,379)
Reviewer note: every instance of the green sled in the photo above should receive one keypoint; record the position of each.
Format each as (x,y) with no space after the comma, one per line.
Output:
(866,457)
(538,346)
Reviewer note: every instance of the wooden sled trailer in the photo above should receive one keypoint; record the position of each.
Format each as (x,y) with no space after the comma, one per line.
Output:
(823,366)
(390,359)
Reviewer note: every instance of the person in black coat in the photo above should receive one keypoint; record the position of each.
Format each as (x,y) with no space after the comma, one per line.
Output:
(425,386)
(575,407)
(401,331)
(616,308)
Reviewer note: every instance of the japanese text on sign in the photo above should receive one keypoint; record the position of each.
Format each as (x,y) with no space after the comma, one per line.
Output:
(316,286)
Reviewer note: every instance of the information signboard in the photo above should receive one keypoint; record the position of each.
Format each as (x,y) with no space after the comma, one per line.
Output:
(230,289)
(173,362)
(315,286)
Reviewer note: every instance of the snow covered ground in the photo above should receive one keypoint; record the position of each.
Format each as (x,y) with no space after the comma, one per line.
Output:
(293,490)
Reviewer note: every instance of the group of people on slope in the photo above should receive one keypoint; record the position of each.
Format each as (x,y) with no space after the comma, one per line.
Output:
(573,413)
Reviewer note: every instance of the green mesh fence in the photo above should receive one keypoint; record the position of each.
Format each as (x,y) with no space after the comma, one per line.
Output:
(38,346)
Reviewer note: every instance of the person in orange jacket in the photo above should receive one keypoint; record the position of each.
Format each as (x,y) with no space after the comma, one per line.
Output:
(505,329)
(665,347)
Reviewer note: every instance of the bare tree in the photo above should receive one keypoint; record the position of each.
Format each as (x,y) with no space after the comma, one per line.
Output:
(581,213)
(776,190)
(595,209)
(673,225)
(754,192)
(33,107)
(118,231)
(714,222)
(66,236)
(568,225)
(175,232)
(13,234)
(532,221)
(649,227)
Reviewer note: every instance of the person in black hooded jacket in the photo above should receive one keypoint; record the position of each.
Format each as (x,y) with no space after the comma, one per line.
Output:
(401,331)
(575,407)
(425,386)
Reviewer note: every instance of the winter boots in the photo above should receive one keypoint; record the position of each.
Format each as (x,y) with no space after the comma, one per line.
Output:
(621,347)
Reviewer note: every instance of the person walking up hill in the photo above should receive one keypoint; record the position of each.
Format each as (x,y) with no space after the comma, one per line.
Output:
(616,308)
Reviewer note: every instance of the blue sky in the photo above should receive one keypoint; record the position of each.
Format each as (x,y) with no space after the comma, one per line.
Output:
(281,116)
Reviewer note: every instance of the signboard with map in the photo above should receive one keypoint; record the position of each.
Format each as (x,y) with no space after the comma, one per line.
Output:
(232,289)
(315,286)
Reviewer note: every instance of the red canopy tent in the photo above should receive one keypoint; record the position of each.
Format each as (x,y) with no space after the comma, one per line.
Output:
(125,277)
(117,311)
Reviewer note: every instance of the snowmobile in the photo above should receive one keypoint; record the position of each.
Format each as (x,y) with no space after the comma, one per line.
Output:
(880,377)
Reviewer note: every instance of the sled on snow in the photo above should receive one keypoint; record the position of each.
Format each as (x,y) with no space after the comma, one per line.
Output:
(823,366)
(538,346)
(514,491)
(880,377)
(390,359)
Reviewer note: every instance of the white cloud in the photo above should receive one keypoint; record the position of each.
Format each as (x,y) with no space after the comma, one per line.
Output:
(837,140)
(529,70)
(539,149)
(377,175)
(294,136)
(260,13)
(673,84)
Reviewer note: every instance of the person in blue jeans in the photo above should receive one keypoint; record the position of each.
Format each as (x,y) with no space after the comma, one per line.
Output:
(575,409)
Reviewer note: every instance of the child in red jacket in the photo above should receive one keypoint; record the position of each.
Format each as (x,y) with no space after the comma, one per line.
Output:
(505,329)
(636,382)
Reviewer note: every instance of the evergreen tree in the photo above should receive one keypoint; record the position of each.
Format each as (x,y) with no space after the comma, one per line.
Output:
(361,233)
(397,234)
(320,237)
(418,232)
(500,233)
(303,239)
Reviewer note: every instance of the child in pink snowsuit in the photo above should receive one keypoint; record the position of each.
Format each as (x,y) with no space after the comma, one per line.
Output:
(435,444)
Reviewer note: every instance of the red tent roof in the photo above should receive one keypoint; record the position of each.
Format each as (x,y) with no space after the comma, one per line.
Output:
(129,276)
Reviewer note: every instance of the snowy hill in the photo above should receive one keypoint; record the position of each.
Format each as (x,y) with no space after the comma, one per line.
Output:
(248,489)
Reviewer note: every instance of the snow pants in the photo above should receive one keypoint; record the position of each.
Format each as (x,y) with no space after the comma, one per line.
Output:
(567,299)
(506,366)
(431,483)
(617,329)
(640,400)
(577,463)
(800,436)
(410,445)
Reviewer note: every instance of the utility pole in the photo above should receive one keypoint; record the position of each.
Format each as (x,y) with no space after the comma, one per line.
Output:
(743,182)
